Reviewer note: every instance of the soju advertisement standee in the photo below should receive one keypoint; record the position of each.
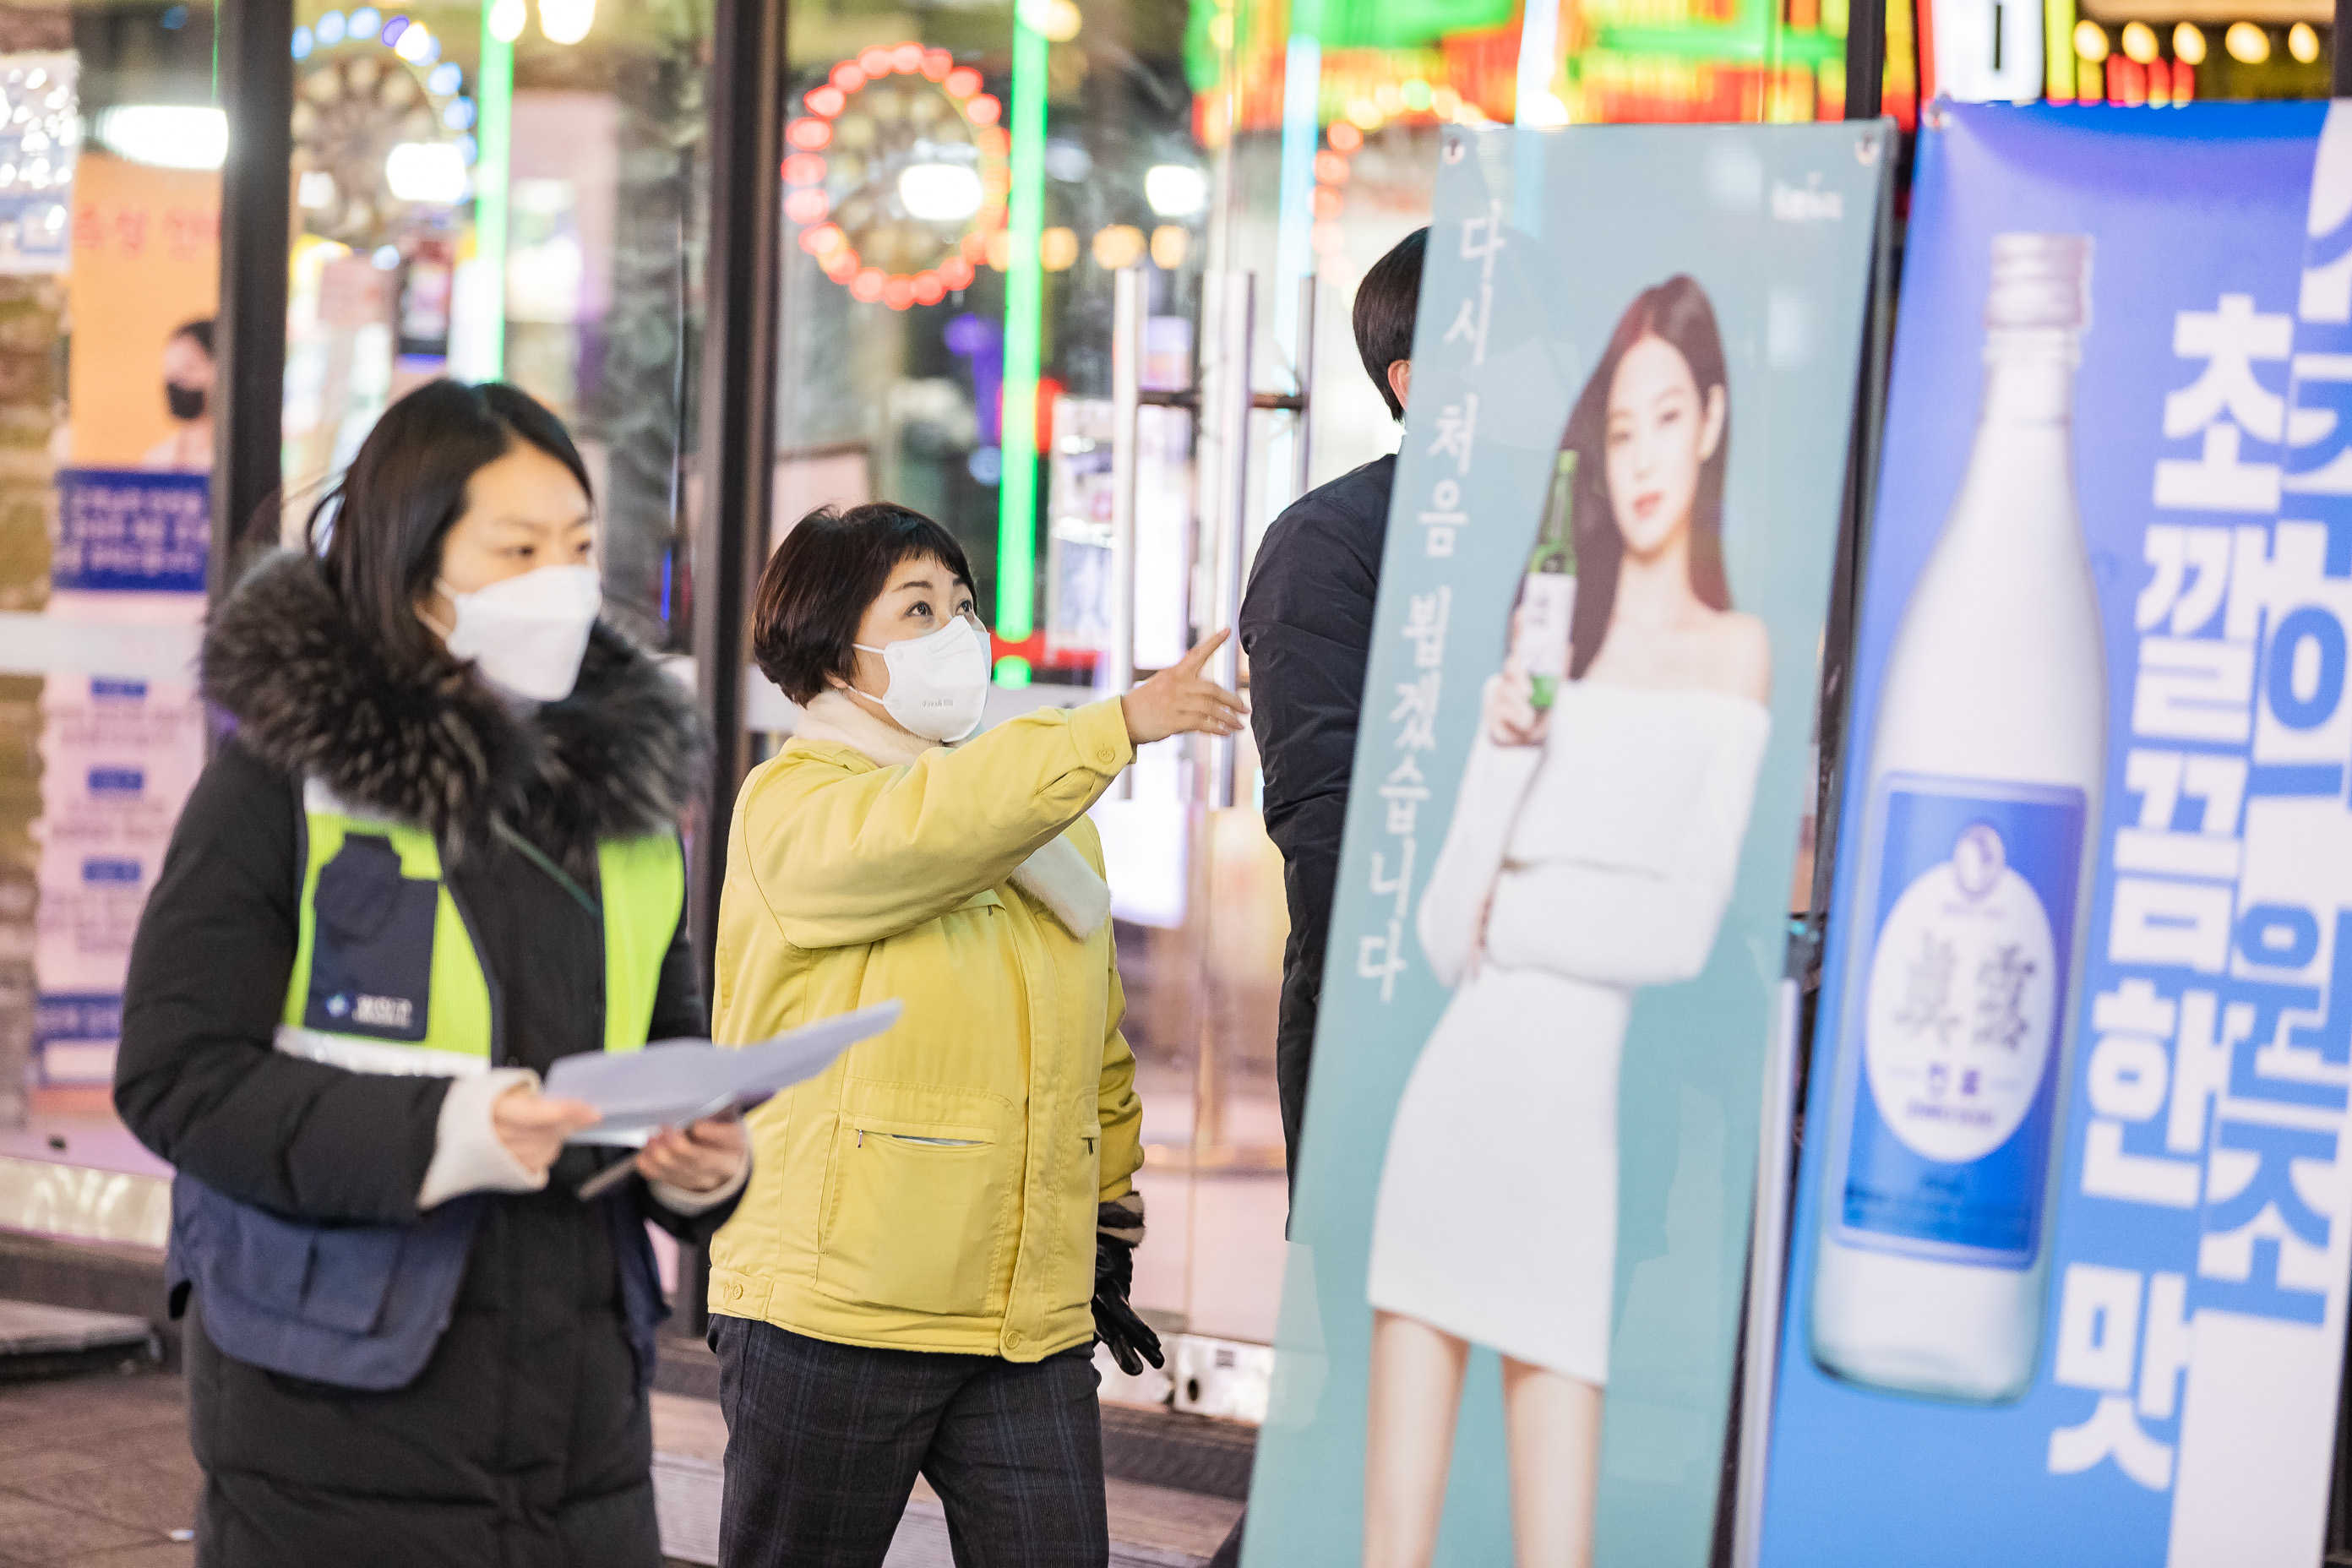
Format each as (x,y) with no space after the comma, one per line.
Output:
(1559,944)
(2067,1277)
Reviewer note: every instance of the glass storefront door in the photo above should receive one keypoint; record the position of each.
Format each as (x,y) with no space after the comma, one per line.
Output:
(515,191)
(512,192)
(951,276)
(111,144)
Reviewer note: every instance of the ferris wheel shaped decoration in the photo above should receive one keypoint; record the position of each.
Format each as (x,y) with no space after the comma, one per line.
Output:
(381,131)
(898,175)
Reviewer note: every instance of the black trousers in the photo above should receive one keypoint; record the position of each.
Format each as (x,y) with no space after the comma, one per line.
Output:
(823,1443)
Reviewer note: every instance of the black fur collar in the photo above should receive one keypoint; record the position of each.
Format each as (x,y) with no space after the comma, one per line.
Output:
(618,758)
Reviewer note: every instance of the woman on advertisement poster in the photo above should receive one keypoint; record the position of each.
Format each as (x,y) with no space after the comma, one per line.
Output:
(1592,852)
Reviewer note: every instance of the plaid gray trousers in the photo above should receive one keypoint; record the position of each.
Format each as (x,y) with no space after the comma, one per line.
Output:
(824,1440)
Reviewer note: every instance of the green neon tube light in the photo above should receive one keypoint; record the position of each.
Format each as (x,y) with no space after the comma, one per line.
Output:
(1025,322)
(1728,42)
(493,159)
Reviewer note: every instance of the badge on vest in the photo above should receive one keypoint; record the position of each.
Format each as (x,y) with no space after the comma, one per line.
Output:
(373,1012)
(371,952)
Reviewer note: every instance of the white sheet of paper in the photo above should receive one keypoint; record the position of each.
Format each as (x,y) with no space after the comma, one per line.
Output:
(673,1081)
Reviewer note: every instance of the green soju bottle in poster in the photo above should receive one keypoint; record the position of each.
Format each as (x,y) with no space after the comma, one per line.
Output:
(1548,596)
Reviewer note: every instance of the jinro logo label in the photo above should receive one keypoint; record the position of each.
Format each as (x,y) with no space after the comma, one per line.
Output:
(1963,993)
(1808,203)
(1977,859)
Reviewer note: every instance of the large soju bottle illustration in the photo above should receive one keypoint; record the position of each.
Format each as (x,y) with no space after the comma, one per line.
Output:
(1962,944)
(1548,593)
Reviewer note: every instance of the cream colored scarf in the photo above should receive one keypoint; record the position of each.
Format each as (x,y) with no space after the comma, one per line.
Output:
(1057,875)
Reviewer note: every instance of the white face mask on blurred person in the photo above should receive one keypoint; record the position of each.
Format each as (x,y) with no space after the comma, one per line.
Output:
(527,634)
(938,682)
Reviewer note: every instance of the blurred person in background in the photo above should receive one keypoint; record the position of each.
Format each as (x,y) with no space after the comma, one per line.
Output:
(438,853)
(188,377)
(939,1227)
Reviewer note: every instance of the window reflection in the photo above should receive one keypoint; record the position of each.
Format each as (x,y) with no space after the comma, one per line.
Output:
(511,194)
(110,202)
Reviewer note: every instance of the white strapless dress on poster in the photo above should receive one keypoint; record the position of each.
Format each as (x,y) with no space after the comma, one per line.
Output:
(1611,850)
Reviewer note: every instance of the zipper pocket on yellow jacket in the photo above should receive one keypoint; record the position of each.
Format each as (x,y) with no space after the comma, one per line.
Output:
(917,1222)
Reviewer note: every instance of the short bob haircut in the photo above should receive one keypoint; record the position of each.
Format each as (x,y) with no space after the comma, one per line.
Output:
(834,563)
(380,530)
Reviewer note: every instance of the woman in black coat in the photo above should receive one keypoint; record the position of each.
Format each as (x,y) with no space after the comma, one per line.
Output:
(409,1342)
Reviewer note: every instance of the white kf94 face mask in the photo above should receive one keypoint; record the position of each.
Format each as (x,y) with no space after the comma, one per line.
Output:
(938,682)
(527,634)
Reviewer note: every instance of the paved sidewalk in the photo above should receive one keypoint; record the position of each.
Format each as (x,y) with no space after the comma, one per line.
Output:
(95,1473)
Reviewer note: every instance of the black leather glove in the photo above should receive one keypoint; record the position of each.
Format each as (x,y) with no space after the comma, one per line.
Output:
(1130,1339)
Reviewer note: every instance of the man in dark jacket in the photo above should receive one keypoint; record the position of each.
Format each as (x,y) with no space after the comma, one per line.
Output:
(1307,625)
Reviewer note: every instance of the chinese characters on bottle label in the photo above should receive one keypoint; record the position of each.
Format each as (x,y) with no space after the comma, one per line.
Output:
(1961,1018)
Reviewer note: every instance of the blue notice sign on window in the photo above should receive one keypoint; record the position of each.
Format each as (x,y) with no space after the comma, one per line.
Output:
(128,530)
(77,1016)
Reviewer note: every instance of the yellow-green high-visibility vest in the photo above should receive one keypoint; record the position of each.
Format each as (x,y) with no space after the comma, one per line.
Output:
(388,976)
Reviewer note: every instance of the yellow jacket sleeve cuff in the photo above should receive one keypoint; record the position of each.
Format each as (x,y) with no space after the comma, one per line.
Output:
(1099,731)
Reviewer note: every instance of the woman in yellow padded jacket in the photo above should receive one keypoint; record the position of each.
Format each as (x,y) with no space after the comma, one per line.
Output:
(911,1282)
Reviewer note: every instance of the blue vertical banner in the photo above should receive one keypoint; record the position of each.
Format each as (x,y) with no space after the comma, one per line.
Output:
(2068,1271)
(1559,942)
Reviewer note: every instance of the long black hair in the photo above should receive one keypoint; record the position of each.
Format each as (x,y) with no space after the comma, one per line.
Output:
(380,528)
(1677,313)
